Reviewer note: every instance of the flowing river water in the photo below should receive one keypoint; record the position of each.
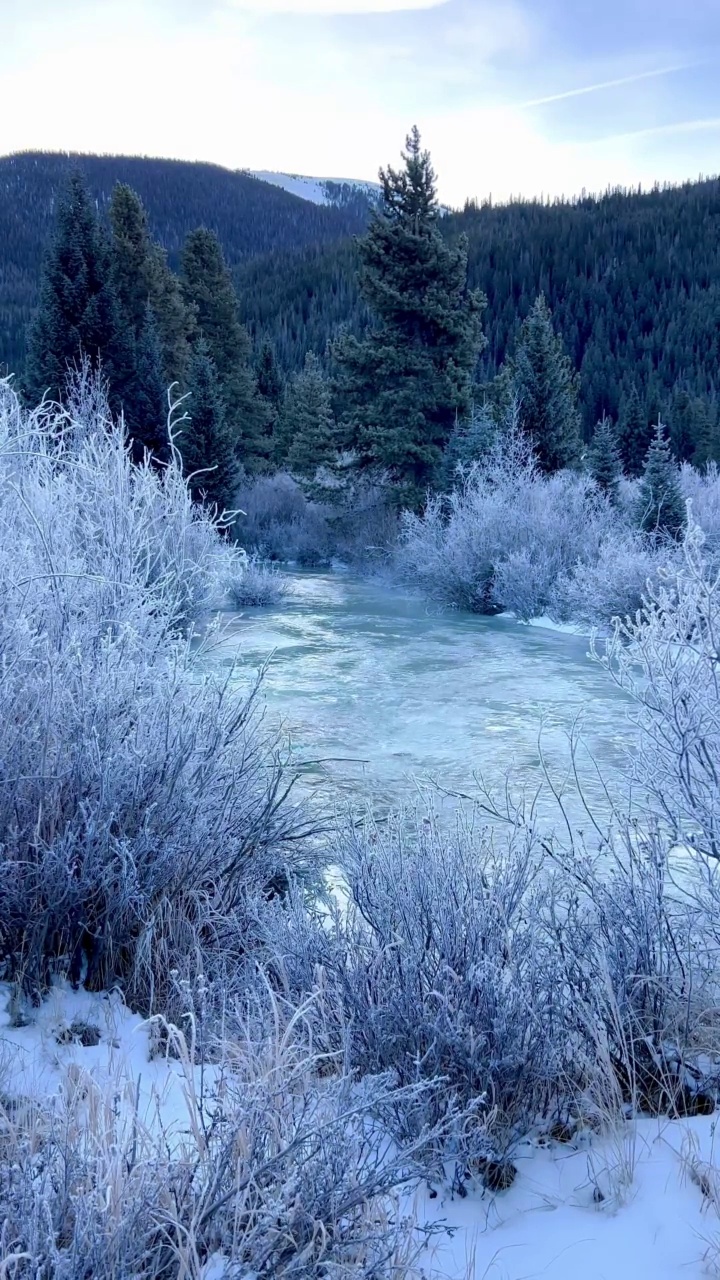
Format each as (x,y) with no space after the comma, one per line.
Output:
(379,693)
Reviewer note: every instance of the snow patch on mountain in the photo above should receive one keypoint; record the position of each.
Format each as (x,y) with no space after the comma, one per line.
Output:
(328,191)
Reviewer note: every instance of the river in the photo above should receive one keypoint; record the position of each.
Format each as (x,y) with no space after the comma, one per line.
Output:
(379,693)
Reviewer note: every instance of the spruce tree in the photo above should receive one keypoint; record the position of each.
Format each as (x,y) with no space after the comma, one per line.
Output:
(634,434)
(145,405)
(271,389)
(470,441)
(142,278)
(542,377)
(208,289)
(690,427)
(308,426)
(132,256)
(604,459)
(661,507)
(207,443)
(174,319)
(78,313)
(270,381)
(402,387)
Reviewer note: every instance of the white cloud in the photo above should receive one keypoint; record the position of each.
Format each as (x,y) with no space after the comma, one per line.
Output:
(333,7)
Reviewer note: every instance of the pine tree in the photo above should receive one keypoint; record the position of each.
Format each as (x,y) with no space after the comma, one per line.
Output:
(142,278)
(542,377)
(78,313)
(604,459)
(690,427)
(174,319)
(271,389)
(308,426)
(145,407)
(661,508)
(403,386)
(208,289)
(270,381)
(634,434)
(132,257)
(470,441)
(207,443)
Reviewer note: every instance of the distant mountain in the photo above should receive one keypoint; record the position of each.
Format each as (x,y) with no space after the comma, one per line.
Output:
(340,193)
(251,217)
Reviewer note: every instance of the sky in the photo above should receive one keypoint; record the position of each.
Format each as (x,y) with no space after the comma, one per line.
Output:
(512,97)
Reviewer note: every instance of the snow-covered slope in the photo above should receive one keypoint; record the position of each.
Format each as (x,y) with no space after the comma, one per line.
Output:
(333,191)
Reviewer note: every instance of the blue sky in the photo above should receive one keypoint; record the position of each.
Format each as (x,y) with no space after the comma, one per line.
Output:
(514,97)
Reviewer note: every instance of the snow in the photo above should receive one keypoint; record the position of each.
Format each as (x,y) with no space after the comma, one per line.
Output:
(549,624)
(34,1065)
(313,189)
(643,1202)
(549,1224)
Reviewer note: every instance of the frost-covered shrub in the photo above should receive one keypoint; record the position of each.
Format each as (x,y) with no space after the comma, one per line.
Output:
(445,971)
(140,798)
(268,1171)
(278,521)
(702,490)
(505,535)
(667,659)
(257,584)
(615,584)
(350,519)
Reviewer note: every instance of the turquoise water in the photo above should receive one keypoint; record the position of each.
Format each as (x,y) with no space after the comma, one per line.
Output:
(381,695)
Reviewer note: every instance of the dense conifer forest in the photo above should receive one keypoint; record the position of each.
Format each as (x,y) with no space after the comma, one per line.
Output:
(632,279)
(250,218)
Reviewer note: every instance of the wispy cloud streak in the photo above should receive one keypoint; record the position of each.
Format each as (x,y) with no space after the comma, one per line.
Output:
(608,84)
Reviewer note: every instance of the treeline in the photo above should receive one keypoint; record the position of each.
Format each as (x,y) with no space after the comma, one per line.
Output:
(111,303)
(633,282)
(249,217)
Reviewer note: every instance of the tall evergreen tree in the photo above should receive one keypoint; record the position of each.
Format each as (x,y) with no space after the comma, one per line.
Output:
(308,427)
(271,389)
(690,426)
(78,313)
(604,459)
(270,381)
(542,376)
(634,434)
(142,278)
(470,441)
(402,387)
(661,508)
(132,256)
(174,319)
(209,291)
(207,443)
(145,407)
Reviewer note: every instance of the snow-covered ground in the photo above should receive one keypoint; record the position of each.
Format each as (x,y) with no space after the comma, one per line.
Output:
(642,1203)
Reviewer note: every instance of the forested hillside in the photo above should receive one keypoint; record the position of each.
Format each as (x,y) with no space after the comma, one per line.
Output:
(633,282)
(250,217)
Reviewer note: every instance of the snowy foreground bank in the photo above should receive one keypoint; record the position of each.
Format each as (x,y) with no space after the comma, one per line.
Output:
(641,1201)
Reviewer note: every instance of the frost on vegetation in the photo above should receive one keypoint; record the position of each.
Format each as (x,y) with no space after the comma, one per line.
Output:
(668,659)
(257,584)
(142,801)
(268,1168)
(505,535)
(353,520)
(615,584)
(525,979)
(279,523)
(509,538)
